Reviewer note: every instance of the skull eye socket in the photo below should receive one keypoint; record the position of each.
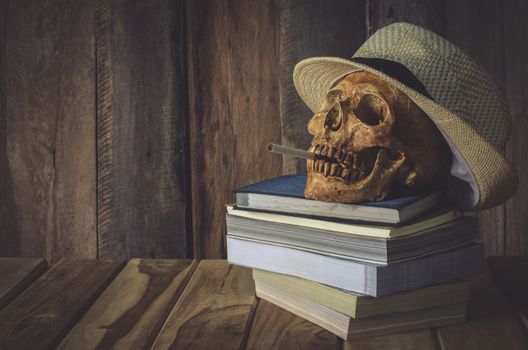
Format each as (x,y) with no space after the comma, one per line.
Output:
(371,110)
(334,118)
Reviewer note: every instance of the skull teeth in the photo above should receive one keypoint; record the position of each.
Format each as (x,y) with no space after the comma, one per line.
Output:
(333,169)
(326,168)
(342,165)
(331,152)
(341,155)
(320,165)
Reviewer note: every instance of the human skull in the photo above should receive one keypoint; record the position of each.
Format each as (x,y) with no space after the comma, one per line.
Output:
(374,140)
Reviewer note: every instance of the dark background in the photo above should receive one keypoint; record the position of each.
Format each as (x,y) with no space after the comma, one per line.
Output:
(126,124)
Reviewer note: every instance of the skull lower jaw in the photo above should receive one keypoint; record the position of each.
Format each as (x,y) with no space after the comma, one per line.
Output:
(374,187)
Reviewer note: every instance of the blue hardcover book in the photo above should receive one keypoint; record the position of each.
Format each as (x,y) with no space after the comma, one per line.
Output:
(285,195)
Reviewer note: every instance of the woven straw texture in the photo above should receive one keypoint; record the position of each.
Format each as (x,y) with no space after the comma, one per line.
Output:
(468,108)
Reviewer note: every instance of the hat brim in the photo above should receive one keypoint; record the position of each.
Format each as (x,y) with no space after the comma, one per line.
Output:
(488,178)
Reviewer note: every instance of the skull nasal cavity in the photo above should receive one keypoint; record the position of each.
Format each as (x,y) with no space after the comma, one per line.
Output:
(334,118)
(371,110)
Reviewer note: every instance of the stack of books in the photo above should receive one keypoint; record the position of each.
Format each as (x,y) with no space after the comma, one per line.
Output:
(357,270)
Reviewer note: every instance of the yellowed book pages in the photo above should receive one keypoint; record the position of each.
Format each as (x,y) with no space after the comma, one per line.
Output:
(435,219)
(348,328)
(361,306)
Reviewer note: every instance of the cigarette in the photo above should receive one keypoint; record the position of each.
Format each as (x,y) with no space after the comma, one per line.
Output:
(299,153)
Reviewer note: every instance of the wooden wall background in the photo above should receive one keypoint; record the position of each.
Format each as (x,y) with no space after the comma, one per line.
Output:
(126,124)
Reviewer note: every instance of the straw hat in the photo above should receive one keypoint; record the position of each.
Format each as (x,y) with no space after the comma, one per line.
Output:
(449,86)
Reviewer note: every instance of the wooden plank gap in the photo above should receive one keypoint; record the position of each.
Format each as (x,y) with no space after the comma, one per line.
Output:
(17,274)
(253,321)
(189,215)
(249,325)
(196,263)
(133,309)
(215,308)
(436,339)
(104,118)
(46,311)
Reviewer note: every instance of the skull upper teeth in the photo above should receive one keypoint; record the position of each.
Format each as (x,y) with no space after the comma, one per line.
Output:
(339,164)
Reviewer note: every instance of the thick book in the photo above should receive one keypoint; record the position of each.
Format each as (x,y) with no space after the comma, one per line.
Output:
(369,279)
(434,218)
(348,328)
(375,250)
(285,194)
(361,306)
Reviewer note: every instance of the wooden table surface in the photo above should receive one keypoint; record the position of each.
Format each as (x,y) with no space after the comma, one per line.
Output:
(208,304)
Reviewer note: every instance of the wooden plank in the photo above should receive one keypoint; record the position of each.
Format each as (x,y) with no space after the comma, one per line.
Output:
(17,274)
(6,220)
(512,276)
(334,28)
(48,309)
(141,140)
(514,37)
(423,339)
(215,310)
(476,29)
(48,146)
(132,310)
(491,323)
(234,108)
(276,328)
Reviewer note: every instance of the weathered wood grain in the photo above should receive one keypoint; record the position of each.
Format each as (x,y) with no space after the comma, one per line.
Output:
(215,310)
(491,322)
(477,30)
(429,14)
(512,276)
(307,29)
(143,172)
(46,311)
(16,274)
(418,340)
(9,245)
(133,308)
(47,160)
(234,108)
(276,328)
(514,37)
